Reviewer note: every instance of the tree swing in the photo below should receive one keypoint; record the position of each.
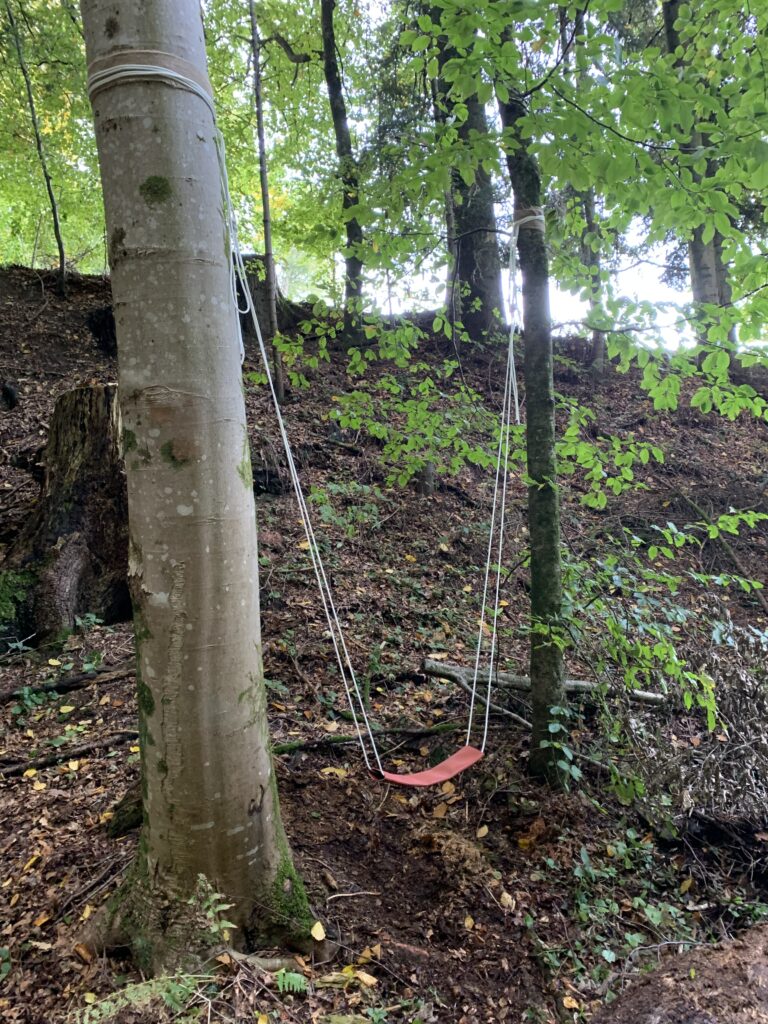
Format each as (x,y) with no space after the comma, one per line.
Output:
(468,754)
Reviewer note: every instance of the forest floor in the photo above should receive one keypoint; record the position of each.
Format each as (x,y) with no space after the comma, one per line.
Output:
(489,899)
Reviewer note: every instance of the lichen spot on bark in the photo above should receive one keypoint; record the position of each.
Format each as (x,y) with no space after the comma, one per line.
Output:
(145,698)
(116,245)
(111,27)
(171,452)
(155,190)
(129,441)
(244,470)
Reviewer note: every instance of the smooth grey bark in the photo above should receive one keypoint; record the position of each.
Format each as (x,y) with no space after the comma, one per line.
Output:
(348,172)
(546,654)
(210,798)
(269,258)
(40,148)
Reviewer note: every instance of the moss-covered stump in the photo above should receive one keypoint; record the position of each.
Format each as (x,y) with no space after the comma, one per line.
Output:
(73,552)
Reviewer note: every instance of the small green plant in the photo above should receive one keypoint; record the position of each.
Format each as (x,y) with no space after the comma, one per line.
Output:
(212,906)
(27,700)
(87,621)
(92,661)
(5,962)
(559,732)
(350,507)
(176,991)
(290,981)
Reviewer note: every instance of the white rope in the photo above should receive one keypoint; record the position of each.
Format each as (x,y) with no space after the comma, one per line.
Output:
(148,72)
(511,400)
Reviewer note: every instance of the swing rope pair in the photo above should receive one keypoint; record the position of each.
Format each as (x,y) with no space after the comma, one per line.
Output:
(178,73)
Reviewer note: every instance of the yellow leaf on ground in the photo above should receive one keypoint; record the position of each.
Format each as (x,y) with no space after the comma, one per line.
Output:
(31,862)
(318,932)
(447,788)
(89,997)
(66,708)
(410,558)
(570,1003)
(507,901)
(87,911)
(467,589)
(73,765)
(106,699)
(54,662)
(83,952)
(340,773)
(440,811)
(469,922)
(365,979)
(134,750)
(39,786)
(482,832)
(686,885)
(30,773)
(40,921)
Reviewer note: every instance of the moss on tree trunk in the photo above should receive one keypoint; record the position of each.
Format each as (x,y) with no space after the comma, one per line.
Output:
(546,655)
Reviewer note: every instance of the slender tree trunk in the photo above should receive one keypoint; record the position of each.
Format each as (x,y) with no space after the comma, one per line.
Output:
(40,148)
(452,289)
(477,240)
(269,258)
(546,660)
(472,231)
(348,171)
(571,43)
(210,799)
(708,272)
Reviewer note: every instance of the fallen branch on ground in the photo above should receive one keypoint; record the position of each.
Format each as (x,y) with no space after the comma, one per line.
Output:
(66,684)
(66,753)
(464,678)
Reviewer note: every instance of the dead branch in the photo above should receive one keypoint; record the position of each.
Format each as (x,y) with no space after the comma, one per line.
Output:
(65,753)
(66,684)
(464,677)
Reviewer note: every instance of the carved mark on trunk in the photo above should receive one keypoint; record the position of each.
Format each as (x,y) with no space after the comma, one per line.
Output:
(254,807)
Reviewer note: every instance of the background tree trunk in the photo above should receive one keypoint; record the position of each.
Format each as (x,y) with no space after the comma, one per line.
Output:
(269,259)
(40,148)
(348,172)
(74,548)
(210,798)
(709,275)
(546,661)
(475,289)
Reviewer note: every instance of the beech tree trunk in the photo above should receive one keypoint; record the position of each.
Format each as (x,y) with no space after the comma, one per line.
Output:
(73,551)
(210,799)
(348,172)
(546,657)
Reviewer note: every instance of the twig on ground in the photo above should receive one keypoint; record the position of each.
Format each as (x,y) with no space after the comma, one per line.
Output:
(65,753)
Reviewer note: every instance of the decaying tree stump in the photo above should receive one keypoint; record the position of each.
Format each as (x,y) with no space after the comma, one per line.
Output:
(289,314)
(73,552)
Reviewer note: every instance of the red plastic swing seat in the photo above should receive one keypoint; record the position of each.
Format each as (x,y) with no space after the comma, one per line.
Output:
(438,773)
